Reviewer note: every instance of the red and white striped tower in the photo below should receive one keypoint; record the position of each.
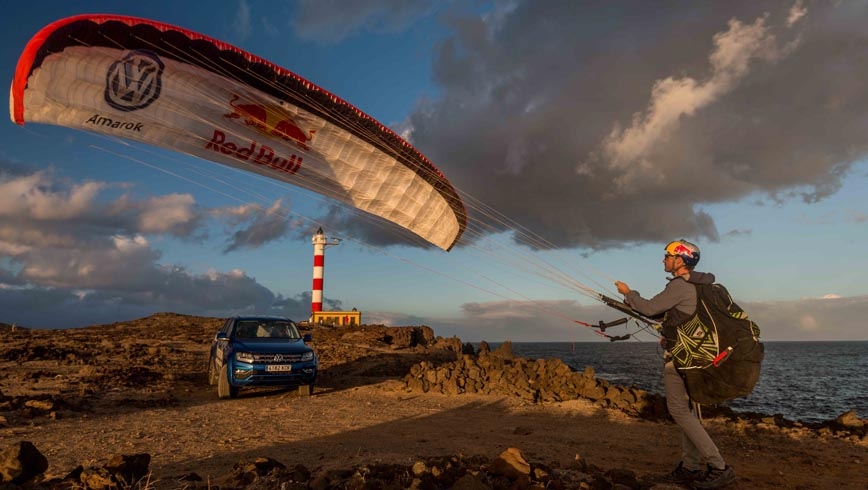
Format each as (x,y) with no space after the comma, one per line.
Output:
(320,242)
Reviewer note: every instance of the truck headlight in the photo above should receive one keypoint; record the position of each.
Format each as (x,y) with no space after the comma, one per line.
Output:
(307,356)
(244,357)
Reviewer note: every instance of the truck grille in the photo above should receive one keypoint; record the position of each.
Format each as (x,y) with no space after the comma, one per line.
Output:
(276,358)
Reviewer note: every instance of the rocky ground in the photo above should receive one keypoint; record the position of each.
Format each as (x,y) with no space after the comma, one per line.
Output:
(128,406)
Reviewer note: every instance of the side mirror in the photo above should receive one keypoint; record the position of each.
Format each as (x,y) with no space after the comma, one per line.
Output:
(307,338)
(221,336)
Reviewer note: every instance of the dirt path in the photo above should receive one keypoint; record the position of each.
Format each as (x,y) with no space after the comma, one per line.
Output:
(374,424)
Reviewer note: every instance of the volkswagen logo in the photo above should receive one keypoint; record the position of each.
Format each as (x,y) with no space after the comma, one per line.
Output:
(278,358)
(134,81)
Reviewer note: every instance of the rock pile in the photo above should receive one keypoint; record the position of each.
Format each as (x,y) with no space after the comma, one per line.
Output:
(499,372)
(347,344)
(21,463)
(377,351)
(23,466)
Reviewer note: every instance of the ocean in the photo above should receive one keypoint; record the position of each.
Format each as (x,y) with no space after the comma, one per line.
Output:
(801,381)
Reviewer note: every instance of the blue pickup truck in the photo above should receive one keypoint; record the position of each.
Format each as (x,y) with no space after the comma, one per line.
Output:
(253,351)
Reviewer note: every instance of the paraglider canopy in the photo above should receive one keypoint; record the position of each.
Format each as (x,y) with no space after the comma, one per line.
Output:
(164,85)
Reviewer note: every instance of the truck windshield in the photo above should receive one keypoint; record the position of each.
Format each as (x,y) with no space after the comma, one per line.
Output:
(263,329)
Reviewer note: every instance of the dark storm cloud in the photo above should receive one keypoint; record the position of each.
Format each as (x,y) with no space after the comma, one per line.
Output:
(258,225)
(596,124)
(216,294)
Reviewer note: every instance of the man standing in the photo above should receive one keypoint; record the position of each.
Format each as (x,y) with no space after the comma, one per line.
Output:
(677,304)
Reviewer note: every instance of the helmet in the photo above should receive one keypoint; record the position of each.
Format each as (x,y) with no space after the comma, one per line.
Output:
(688,252)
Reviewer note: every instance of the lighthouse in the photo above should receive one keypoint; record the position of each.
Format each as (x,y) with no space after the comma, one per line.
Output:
(320,242)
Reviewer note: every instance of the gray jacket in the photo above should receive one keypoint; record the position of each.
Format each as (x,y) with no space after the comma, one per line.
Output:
(677,302)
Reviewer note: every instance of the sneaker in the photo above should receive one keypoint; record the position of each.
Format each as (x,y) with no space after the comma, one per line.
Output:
(715,478)
(681,475)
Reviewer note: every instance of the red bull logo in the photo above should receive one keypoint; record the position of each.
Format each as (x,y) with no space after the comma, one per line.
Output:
(270,120)
(681,250)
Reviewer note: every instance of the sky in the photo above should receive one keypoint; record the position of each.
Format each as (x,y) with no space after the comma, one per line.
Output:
(582,136)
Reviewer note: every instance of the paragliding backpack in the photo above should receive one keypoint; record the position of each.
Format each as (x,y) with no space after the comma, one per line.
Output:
(718,352)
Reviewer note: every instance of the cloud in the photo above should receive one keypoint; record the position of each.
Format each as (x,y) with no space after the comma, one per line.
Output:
(241,21)
(214,294)
(594,130)
(736,233)
(74,256)
(831,317)
(675,101)
(808,323)
(818,319)
(857,216)
(260,225)
(796,12)
(519,321)
(334,20)
(62,234)
(35,197)
(172,214)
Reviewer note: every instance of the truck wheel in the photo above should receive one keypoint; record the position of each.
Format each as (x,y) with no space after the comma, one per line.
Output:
(224,389)
(213,377)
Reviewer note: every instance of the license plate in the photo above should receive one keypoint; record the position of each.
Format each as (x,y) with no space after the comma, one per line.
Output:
(278,367)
